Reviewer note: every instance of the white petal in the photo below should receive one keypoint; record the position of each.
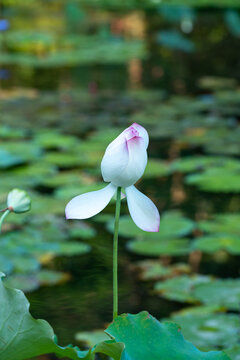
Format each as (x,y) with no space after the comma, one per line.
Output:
(142,132)
(115,160)
(136,164)
(125,158)
(87,205)
(142,210)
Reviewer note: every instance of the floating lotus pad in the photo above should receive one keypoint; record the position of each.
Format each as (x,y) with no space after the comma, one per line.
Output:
(181,287)
(154,269)
(216,180)
(234,352)
(225,293)
(31,282)
(209,331)
(49,139)
(27,150)
(222,223)
(8,160)
(215,242)
(173,224)
(154,247)
(194,163)
(156,168)
(68,192)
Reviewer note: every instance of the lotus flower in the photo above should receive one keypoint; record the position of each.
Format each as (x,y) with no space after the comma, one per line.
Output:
(123,164)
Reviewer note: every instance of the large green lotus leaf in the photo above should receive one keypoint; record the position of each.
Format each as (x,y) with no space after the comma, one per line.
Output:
(216,180)
(212,243)
(159,247)
(209,331)
(173,224)
(155,269)
(234,352)
(23,337)
(7,159)
(146,338)
(156,168)
(225,293)
(181,288)
(222,223)
(49,139)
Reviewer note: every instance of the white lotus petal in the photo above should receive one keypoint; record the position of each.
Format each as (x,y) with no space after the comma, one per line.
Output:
(115,160)
(87,205)
(136,164)
(142,210)
(125,158)
(142,132)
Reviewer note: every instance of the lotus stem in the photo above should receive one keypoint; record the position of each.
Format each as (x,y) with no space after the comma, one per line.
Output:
(3,217)
(115,254)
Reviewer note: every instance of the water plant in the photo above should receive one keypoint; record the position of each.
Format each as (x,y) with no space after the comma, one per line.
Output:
(131,337)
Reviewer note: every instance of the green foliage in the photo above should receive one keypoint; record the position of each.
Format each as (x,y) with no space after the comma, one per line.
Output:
(19,329)
(219,292)
(208,331)
(222,223)
(155,269)
(215,242)
(181,288)
(159,247)
(145,337)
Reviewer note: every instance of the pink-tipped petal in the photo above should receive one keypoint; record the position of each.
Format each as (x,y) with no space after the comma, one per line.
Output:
(87,205)
(142,210)
(125,158)
(142,132)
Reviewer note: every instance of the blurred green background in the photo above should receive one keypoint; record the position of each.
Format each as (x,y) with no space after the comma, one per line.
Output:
(73,75)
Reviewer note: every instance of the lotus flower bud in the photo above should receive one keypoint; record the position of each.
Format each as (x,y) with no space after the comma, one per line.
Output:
(18,201)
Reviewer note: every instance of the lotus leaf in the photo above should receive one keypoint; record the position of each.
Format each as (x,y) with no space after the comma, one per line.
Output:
(181,287)
(146,338)
(209,331)
(8,160)
(156,168)
(225,293)
(222,223)
(155,269)
(154,247)
(216,180)
(215,242)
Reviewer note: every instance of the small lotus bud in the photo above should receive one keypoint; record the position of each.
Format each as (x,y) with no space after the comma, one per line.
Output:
(18,201)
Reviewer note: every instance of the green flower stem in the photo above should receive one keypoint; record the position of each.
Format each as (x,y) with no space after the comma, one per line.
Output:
(3,217)
(115,254)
